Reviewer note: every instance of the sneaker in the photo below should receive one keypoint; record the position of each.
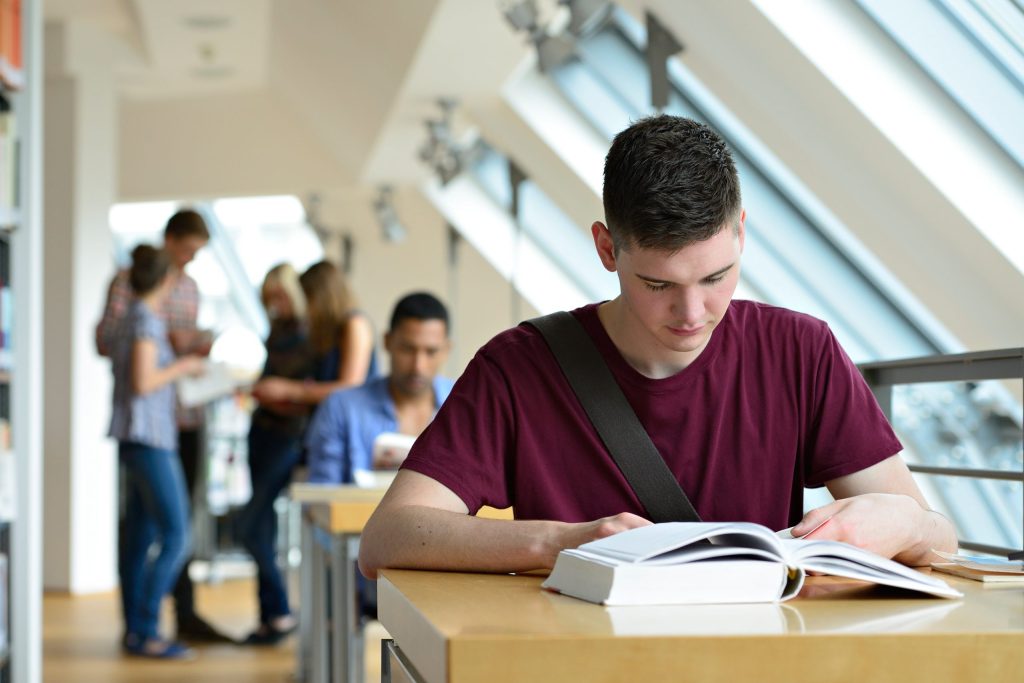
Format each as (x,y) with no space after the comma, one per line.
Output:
(197,630)
(266,634)
(154,648)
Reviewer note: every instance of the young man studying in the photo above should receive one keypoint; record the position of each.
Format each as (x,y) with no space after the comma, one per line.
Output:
(746,403)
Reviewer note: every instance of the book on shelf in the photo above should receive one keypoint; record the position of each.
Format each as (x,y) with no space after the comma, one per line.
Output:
(11,72)
(8,167)
(708,562)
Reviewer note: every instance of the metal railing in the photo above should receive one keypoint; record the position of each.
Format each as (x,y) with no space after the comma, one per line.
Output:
(964,367)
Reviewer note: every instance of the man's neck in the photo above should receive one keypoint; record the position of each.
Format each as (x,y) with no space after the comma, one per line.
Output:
(412,413)
(638,347)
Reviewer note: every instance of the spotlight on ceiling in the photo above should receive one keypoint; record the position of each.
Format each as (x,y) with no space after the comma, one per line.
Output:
(552,48)
(441,151)
(384,207)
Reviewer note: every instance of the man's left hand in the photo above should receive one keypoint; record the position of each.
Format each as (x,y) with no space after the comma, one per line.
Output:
(884,523)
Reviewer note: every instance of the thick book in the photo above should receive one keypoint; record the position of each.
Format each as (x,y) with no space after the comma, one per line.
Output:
(707,562)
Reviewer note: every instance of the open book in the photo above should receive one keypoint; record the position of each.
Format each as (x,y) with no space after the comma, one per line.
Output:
(707,562)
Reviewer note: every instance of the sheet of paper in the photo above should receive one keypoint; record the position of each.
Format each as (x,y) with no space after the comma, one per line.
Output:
(217,380)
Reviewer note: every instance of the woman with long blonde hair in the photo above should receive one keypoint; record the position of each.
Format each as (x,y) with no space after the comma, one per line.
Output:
(341,338)
(275,446)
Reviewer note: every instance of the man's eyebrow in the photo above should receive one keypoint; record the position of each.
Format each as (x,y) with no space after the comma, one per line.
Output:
(654,280)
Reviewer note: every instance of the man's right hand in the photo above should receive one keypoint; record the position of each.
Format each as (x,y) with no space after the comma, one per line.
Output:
(422,524)
(575,535)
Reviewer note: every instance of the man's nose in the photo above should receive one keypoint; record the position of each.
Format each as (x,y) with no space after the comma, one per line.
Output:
(688,306)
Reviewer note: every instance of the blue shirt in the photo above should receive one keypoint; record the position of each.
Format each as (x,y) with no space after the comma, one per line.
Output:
(340,437)
(148,418)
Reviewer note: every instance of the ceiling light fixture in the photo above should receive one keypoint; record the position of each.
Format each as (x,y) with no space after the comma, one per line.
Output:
(441,151)
(384,208)
(555,42)
(207,22)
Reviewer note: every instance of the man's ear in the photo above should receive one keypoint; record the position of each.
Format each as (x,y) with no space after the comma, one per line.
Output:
(604,245)
(387,341)
(741,231)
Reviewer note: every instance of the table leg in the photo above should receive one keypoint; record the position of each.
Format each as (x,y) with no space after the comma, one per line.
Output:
(346,664)
(319,625)
(304,651)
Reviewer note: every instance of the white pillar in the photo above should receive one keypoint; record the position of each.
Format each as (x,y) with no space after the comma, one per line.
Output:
(80,167)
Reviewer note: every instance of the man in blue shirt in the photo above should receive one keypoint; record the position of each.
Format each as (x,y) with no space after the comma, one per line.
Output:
(339,441)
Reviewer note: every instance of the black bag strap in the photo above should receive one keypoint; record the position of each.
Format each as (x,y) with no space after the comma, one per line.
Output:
(617,424)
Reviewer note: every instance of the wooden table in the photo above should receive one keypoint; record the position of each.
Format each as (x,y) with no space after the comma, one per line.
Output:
(452,627)
(330,640)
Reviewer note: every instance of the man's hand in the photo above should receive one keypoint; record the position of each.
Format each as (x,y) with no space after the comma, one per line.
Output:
(880,508)
(575,535)
(274,390)
(884,523)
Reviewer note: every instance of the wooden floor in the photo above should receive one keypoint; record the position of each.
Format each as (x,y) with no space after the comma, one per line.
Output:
(80,643)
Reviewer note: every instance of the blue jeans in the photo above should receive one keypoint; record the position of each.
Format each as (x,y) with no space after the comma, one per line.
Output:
(157,510)
(272,456)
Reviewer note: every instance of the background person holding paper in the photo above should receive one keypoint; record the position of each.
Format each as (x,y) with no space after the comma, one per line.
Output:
(157,505)
(184,235)
(746,403)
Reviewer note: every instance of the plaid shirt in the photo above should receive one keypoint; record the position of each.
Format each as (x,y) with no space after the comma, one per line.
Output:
(179,312)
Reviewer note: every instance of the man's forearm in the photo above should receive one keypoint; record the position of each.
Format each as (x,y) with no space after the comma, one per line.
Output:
(428,538)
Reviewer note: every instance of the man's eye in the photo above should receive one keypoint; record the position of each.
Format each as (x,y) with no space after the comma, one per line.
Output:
(715,280)
(656,287)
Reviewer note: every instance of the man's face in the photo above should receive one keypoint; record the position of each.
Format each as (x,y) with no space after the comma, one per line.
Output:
(418,349)
(674,301)
(183,249)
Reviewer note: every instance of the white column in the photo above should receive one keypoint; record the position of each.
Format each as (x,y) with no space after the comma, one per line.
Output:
(80,167)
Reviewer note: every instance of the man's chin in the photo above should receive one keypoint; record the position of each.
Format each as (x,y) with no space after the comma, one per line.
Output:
(414,388)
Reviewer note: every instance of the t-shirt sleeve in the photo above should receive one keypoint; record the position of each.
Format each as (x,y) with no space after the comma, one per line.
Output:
(468,446)
(147,327)
(848,431)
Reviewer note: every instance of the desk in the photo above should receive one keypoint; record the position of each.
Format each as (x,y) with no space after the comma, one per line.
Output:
(451,628)
(330,641)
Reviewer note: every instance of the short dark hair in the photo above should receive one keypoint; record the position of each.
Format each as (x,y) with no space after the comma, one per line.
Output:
(419,306)
(669,182)
(149,267)
(187,223)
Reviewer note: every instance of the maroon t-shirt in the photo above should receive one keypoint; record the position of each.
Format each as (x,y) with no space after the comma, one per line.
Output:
(771,405)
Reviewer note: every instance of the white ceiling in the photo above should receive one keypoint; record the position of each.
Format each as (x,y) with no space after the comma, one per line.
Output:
(358,76)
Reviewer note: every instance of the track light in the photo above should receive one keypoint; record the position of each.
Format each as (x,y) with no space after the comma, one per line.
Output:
(556,44)
(384,208)
(441,151)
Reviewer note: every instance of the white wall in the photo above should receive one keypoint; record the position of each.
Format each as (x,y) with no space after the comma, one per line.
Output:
(80,484)
(385,271)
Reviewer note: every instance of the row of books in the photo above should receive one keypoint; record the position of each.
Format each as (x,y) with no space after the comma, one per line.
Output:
(11,72)
(8,165)
(6,311)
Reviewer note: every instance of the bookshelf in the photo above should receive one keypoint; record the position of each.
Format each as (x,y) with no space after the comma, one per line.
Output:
(10,219)
(20,340)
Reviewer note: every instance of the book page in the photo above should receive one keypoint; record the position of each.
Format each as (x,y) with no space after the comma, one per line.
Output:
(843,559)
(644,543)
